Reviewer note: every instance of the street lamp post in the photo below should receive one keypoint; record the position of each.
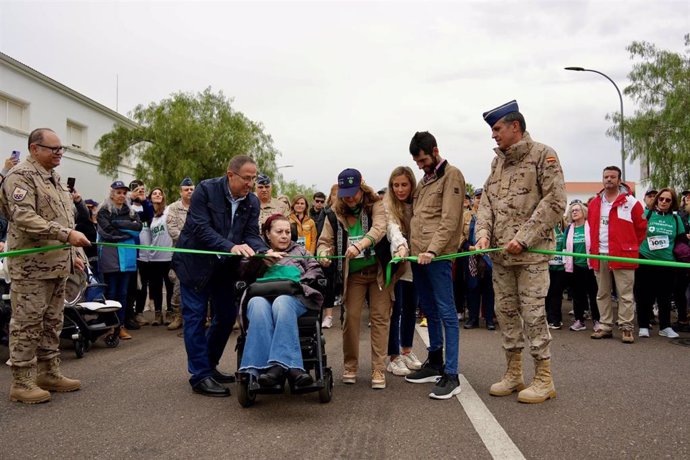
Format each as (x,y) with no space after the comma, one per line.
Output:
(620,97)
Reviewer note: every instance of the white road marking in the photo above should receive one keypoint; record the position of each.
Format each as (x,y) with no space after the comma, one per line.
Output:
(495,438)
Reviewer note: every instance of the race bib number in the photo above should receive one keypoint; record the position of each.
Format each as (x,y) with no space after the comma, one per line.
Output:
(301,241)
(658,242)
(356,239)
(605,220)
(557,260)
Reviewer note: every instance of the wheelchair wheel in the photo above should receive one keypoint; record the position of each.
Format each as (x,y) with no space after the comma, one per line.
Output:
(326,393)
(244,396)
(80,348)
(111,340)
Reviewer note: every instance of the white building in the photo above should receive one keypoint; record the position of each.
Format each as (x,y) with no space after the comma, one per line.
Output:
(29,100)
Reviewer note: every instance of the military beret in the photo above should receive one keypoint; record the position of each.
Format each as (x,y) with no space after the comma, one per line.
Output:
(263,179)
(493,115)
(478,191)
(186,182)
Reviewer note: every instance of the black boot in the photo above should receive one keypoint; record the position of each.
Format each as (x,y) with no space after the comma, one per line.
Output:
(272,377)
(299,378)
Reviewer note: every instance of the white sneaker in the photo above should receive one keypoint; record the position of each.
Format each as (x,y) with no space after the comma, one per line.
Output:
(398,367)
(669,332)
(411,361)
(644,332)
(327,322)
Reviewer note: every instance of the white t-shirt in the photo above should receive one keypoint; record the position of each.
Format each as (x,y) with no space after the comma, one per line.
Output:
(604,225)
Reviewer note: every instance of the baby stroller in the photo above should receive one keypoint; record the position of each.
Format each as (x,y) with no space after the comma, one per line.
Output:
(87,320)
(312,344)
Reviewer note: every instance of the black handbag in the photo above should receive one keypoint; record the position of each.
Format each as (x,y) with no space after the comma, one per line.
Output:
(270,289)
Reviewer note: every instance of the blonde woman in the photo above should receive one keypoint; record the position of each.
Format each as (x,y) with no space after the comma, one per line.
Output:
(306,227)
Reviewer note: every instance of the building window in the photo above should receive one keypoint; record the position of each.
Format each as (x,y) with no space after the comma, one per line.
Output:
(14,113)
(76,135)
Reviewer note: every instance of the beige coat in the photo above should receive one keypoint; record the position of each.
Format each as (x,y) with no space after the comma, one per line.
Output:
(377,230)
(177,216)
(40,212)
(524,197)
(437,213)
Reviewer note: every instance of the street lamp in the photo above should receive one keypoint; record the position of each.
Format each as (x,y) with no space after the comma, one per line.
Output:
(284,166)
(582,69)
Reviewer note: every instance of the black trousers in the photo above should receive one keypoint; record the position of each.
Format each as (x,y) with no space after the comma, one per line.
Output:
(153,275)
(554,298)
(653,284)
(583,288)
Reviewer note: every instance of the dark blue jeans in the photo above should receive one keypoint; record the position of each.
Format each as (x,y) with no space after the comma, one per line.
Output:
(434,283)
(481,291)
(116,289)
(204,348)
(403,318)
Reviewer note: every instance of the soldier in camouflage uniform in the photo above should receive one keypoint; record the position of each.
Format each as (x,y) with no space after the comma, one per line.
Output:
(177,215)
(269,206)
(523,199)
(40,213)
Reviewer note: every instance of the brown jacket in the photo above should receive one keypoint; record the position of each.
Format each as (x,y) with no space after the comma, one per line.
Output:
(436,224)
(40,212)
(524,197)
(377,231)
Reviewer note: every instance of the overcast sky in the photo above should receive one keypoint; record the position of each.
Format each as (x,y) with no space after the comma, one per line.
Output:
(346,84)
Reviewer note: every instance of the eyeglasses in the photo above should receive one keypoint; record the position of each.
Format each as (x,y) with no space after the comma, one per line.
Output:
(55,150)
(247,179)
(664,200)
(319,201)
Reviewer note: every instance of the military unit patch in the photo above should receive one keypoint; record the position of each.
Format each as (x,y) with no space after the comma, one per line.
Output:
(19,194)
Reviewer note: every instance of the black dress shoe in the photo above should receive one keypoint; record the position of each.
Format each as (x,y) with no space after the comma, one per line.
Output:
(209,387)
(299,378)
(132,325)
(272,377)
(222,377)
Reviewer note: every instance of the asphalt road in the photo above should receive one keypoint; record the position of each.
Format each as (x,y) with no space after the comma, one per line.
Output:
(614,401)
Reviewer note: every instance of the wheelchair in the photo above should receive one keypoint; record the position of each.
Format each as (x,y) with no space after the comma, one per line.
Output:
(312,345)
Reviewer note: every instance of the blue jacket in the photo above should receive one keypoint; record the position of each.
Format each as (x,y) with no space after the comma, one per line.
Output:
(210,226)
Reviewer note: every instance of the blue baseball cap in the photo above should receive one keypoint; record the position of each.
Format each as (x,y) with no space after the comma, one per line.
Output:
(349,182)
(493,115)
(118,184)
(91,202)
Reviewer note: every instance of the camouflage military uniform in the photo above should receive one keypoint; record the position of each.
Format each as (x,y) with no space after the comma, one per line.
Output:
(41,213)
(177,216)
(275,206)
(523,199)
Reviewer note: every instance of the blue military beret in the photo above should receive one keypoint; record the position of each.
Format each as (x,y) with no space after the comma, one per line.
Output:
(186,182)
(263,179)
(492,116)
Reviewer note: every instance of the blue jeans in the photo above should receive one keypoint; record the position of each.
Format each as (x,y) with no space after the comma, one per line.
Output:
(273,337)
(205,347)
(403,318)
(434,284)
(116,289)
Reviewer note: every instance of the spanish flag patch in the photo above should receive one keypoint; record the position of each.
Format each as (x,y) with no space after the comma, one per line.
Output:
(550,159)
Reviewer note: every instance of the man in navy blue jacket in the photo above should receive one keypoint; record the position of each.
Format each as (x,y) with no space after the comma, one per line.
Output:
(223,216)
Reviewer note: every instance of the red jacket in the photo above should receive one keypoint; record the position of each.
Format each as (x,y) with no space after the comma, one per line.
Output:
(627,229)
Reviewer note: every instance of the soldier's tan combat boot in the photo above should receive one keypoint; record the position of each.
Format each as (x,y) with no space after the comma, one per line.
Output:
(24,388)
(542,387)
(176,322)
(50,378)
(512,380)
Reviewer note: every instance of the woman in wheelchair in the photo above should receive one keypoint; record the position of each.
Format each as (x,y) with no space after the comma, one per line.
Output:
(286,288)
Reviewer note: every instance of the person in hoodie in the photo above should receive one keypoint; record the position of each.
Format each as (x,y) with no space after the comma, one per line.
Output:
(617,227)
(524,198)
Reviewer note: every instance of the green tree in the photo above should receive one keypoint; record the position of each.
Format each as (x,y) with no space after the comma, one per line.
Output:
(292,189)
(659,132)
(186,134)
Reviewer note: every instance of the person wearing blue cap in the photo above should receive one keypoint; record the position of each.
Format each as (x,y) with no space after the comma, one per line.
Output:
(177,215)
(436,230)
(523,199)
(269,205)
